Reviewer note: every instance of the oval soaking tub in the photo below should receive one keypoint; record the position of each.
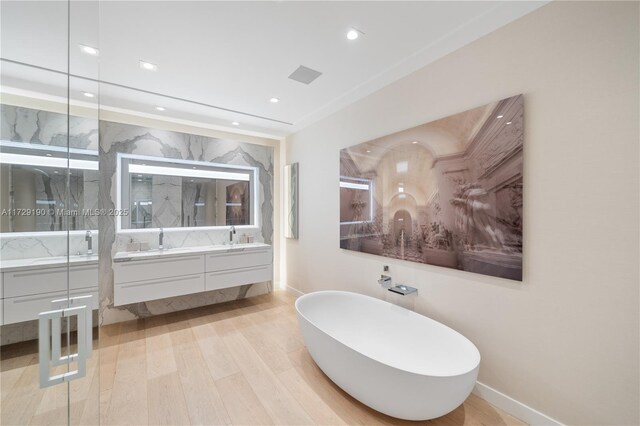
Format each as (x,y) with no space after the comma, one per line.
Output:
(394,360)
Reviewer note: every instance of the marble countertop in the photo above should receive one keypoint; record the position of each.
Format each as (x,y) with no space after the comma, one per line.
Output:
(47,262)
(77,260)
(124,256)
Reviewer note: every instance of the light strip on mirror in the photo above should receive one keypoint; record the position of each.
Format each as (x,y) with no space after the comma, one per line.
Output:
(351,185)
(35,160)
(177,171)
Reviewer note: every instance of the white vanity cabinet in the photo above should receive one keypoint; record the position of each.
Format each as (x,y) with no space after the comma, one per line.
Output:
(29,290)
(238,267)
(140,277)
(156,277)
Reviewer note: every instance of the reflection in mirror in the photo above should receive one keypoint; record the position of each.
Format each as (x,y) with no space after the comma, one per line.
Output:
(356,200)
(160,193)
(33,186)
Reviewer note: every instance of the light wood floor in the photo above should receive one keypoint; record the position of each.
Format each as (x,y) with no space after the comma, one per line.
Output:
(241,363)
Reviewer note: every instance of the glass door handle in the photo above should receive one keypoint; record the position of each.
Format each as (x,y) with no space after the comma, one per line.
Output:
(56,332)
(45,350)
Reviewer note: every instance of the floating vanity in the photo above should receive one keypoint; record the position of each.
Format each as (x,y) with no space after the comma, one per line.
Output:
(157,274)
(29,286)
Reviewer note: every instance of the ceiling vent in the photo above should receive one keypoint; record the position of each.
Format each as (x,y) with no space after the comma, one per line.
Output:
(305,75)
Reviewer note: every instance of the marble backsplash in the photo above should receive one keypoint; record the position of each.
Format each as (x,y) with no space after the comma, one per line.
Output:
(41,244)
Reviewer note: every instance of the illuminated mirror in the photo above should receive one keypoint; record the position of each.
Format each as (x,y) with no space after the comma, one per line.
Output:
(164,193)
(33,187)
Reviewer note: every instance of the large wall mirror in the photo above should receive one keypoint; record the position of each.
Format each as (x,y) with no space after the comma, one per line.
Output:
(164,193)
(33,188)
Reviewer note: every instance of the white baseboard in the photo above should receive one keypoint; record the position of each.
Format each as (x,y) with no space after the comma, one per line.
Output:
(511,406)
(294,291)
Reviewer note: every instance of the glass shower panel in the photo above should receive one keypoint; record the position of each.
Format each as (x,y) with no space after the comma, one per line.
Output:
(84,178)
(48,277)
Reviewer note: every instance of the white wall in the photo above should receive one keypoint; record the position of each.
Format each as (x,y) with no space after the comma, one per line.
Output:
(565,341)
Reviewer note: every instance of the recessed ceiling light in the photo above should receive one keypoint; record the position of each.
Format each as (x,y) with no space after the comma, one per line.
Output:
(353,34)
(89,50)
(414,142)
(148,66)
(235,123)
(159,108)
(89,95)
(500,116)
(56,172)
(509,122)
(368,150)
(274,100)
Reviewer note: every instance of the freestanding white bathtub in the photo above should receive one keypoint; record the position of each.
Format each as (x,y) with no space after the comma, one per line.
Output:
(395,361)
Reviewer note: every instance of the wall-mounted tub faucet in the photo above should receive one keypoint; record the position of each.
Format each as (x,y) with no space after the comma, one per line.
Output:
(232,231)
(161,239)
(89,240)
(403,289)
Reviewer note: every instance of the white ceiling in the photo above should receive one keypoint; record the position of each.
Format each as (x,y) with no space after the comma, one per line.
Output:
(236,55)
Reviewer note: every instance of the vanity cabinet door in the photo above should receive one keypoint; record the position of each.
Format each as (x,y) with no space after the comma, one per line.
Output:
(238,258)
(46,280)
(83,276)
(236,277)
(157,268)
(141,291)
(25,308)
(34,281)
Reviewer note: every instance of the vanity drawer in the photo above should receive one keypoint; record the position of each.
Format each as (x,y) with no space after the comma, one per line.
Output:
(35,281)
(26,308)
(157,268)
(142,291)
(236,277)
(238,259)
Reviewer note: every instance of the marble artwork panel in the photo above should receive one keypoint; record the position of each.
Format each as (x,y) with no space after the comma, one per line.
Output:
(445,193)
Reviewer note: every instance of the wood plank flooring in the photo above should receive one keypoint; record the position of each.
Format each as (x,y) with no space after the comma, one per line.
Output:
(240,363)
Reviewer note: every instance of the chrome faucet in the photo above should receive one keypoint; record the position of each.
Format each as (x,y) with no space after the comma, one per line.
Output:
(160,239)
(232,231)
(89,240)
(385,281)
